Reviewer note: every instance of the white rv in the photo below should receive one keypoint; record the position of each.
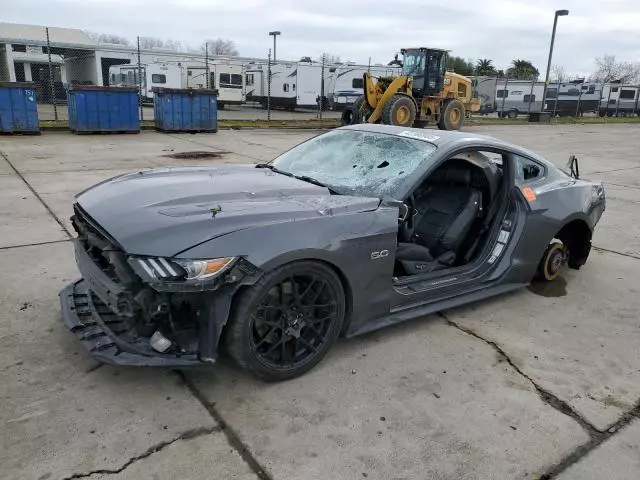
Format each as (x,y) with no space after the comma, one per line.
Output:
(164,75)
(227,77)
(292,84)
(573,98)
(514,97)
(345,82)
(224,76)
(619,100)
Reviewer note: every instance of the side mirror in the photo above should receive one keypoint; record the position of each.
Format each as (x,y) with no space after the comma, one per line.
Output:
(574,169)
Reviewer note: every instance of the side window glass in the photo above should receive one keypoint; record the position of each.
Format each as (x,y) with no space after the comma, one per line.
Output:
(527,170)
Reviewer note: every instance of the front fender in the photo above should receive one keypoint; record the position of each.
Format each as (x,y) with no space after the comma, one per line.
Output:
(345,242)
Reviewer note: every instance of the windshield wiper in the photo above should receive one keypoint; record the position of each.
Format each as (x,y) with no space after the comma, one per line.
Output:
(274,169)
(304,178)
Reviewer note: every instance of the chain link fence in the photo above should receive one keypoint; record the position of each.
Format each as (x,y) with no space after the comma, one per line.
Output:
(265,89)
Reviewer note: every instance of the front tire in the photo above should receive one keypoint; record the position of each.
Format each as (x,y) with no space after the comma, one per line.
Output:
(400,111)
(452,116)
(285,324)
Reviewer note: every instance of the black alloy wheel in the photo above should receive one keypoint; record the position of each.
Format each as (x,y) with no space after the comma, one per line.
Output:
(286,323)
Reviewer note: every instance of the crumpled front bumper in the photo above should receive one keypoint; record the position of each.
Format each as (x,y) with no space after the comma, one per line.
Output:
(98,328)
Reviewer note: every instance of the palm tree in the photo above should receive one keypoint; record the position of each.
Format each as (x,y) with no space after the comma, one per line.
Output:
(522,70)
(484,66)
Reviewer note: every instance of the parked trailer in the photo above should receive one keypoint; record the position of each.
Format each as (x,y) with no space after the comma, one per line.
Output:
(153,75)
(573,98)
(515,97)
(344,83)
(226,77)
(619,100)
(293,85)
(484,89)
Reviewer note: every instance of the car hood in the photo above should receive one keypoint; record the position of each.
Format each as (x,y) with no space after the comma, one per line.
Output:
(166,211)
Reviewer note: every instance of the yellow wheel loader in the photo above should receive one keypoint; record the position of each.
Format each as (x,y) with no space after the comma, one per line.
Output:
(425,92)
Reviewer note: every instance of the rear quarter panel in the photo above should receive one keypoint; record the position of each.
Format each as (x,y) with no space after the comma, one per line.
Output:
(559,200)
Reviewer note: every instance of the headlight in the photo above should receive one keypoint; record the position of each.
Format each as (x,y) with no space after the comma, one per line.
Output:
(198,270)
(179,270)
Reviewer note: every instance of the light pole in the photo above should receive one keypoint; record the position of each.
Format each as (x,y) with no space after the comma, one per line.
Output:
(559,13)
(275,33)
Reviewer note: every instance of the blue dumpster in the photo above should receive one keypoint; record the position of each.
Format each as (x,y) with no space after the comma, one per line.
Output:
(185,110)
(94,109)
(18,108)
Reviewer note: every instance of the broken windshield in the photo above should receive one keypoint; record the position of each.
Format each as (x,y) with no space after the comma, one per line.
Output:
(353,162)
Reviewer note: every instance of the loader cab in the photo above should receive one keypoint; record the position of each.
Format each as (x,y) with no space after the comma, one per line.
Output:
(427,67)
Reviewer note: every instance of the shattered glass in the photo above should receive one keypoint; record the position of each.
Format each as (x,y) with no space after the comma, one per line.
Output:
(357,163)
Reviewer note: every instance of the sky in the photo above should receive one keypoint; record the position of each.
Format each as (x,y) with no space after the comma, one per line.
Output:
(356,30)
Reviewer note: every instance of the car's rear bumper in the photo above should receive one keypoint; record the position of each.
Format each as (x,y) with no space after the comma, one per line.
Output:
(98,328)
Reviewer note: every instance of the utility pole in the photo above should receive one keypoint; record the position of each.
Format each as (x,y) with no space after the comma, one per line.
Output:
(559,13)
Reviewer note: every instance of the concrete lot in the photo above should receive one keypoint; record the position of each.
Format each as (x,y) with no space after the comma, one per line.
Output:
(540,383)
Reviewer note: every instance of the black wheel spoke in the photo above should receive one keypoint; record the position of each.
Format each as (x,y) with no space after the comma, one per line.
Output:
(308,288)
(314,321)
(315,332)
(309,345)
(267,336)
(274,346)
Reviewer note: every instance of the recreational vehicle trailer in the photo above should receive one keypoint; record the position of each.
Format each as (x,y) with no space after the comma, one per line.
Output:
(484,88)
(293,85)
(255,83)
(619,100)
(152,75)
(573,98)
(514,97)
(345,82)
(226,77)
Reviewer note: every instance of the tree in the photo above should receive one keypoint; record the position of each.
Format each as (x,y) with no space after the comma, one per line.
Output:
(459,65)
(522,70)
(610,70)
(220,46)
(150,43)
(108,38)
(329,58)
(558,74)
(484,66)
(175,45)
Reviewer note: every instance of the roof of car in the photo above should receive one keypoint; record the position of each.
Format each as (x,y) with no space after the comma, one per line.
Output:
(437,137)
(443,138)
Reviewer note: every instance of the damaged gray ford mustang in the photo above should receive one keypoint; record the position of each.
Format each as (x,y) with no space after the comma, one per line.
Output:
(351,231)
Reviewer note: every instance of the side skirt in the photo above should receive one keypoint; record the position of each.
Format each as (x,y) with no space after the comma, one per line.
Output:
(401,315)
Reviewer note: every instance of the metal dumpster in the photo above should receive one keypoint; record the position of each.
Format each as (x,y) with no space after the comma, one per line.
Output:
(94,109)
(185,110)
(18,108)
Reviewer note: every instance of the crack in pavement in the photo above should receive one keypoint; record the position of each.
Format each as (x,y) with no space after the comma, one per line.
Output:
(37,195)
(546,396)
(36,244)
(232,436)
(583,450)
(630,255)
(597,437)
(188,435)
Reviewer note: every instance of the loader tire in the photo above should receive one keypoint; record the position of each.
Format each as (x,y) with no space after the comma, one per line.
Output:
(349,116)
(363,110)
(399,110)
(452,116)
